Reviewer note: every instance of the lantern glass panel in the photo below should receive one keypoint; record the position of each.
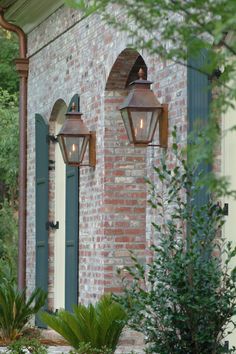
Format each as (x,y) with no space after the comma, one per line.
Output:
(126,120)
(61,143)
(75,148)
(144,124)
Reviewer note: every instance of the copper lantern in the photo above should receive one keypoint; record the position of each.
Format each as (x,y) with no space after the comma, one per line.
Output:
(73,138)
(141,112)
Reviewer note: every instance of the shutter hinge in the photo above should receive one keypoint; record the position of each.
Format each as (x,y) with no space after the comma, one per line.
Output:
(51,165)
(222,210)
(216,74)
(51,138)
(51,225)
(226,209)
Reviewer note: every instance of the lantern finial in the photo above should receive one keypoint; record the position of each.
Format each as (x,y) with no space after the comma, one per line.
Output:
(141,74)
(73,107)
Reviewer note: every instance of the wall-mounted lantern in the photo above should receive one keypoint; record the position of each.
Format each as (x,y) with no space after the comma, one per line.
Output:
(141,112)
(74,137)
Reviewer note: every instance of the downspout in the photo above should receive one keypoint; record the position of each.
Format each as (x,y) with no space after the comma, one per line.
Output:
(22,64)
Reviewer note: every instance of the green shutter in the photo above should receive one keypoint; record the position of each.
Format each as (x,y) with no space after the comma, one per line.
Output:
(199,96)
(41,151)
(198,91)
(72,232)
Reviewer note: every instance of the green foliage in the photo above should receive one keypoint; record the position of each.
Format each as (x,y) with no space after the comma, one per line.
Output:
(176,30)
(21,345)
(8,175)
(8,146)
(9,121)
(9,83)
(7,273)
(153,24)
(8,233)
(185,299)
(86,348)
(9,79)
(95,327)
(15,310)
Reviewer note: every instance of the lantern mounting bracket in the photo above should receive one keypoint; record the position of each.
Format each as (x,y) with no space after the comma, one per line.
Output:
(52,225)
(52,138)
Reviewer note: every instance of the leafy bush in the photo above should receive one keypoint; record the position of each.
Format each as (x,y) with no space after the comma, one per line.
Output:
(8,174)
(15,311)
(9,141)
(7,271)
(9,79)
(90,328)
(31,345)
(8,233)
(185,299)
(86,348)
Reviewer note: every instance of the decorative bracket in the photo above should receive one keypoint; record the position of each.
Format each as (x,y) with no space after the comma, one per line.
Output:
(22,66)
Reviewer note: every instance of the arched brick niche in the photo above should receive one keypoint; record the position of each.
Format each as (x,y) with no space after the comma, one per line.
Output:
(56,205)
(59,109)
(125,169)
(125,70)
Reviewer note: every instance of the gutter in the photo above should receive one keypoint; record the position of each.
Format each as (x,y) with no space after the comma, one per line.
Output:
(22,65)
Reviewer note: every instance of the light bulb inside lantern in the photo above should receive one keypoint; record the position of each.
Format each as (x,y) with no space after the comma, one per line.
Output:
(141,123)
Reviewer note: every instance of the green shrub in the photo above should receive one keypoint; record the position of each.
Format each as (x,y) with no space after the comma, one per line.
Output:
(96,327)
(8,234)
(86,348)
(9,141)
(184,300)
(15,311)
(7,271)
(9,161)
(21,345)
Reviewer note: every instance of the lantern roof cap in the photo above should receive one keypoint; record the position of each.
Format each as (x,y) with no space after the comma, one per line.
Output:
(74,125)
(140,100)
(140,95)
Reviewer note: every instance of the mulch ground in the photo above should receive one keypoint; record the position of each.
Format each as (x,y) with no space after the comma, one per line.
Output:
(34,333)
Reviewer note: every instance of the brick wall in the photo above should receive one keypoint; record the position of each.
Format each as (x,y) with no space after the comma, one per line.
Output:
(114,215)
(124,192)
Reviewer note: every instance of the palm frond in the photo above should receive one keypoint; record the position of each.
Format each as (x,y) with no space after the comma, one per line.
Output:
(15,311)
(98,326)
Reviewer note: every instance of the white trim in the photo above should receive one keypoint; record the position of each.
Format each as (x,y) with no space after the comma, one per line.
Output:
(59,242)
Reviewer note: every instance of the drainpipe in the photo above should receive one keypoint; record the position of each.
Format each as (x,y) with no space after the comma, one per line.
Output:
(22,64)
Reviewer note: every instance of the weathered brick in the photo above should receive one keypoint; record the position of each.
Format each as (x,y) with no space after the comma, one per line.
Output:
(92,59)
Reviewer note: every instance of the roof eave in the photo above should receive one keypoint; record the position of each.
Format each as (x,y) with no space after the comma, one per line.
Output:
(28,14)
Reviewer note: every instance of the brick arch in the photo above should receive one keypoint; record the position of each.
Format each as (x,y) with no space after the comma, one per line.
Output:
(59,109)
(124,188)
(125,70)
